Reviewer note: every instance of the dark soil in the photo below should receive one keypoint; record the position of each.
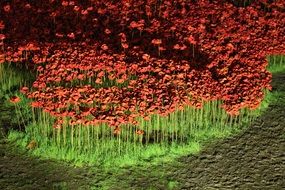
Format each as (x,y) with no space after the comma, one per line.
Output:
(253,159)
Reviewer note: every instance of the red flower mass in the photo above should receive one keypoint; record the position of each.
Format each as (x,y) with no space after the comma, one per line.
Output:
(211,50)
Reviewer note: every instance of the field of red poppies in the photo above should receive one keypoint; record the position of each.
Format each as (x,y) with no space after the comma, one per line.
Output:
(149,71)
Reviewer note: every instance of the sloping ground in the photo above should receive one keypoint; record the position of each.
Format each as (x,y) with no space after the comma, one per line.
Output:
(253,159)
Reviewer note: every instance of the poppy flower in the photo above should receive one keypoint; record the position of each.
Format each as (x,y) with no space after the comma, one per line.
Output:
(156,41)
(139,132)
(71,35)
(57,126)
(125,45)
(76,8)
(133,24)
(80,76)
(101,11)
(72,122)
(101,74)
(59,35)
(64,3)
(111,77)
(104,47)
(146,57)
(7,8)
(98,81)
(2,36)
(84,12)
(161,48)
(32,47)
(107,31)
(176,46)
(71,3)
(28,6)
(89,8)
(24,90)
(15,99)
(2,25)
(192,40)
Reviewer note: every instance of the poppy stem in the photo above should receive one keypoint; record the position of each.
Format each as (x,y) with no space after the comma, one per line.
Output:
(18,121)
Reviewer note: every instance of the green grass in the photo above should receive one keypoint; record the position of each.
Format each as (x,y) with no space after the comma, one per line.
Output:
(187,130)
(277,63)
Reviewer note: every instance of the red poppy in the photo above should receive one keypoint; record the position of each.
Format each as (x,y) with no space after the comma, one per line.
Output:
(176,46)
(192,40)
(80,76)
(107,31)
(161,48)
(32,47)
(15,99)
(64,3)
(84,12)
(104,47)
(125,45)
(101,11)
(101,74)
(2,25)
(156,41)
(57,126)
(71,3)
(71,35)
(24,90)
(98,81)
(139,132)
(89,8)
(7,8)
(76,8)
(59,35)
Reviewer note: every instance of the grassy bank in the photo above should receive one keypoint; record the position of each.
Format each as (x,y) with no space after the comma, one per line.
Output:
(181,133)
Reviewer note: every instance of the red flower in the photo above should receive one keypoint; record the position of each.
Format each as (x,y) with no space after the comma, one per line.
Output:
(156,41)
(89,8)
(192,40)
(27,6)
(7,8)
(15,99)
(24,90)
(71,3)
(2,37)
(120,81)
(133,24)
(176,46)
(64,3)
(146,57)
(59,35)
(32,47)
(107,31)
(76,8)
(125,45)
(84,12)
(2,26)
(71,35)
(57,126)
(104,47)
(139,132)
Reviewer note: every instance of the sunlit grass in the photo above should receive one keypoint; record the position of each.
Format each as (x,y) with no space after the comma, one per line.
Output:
(277,63)
(180,133)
